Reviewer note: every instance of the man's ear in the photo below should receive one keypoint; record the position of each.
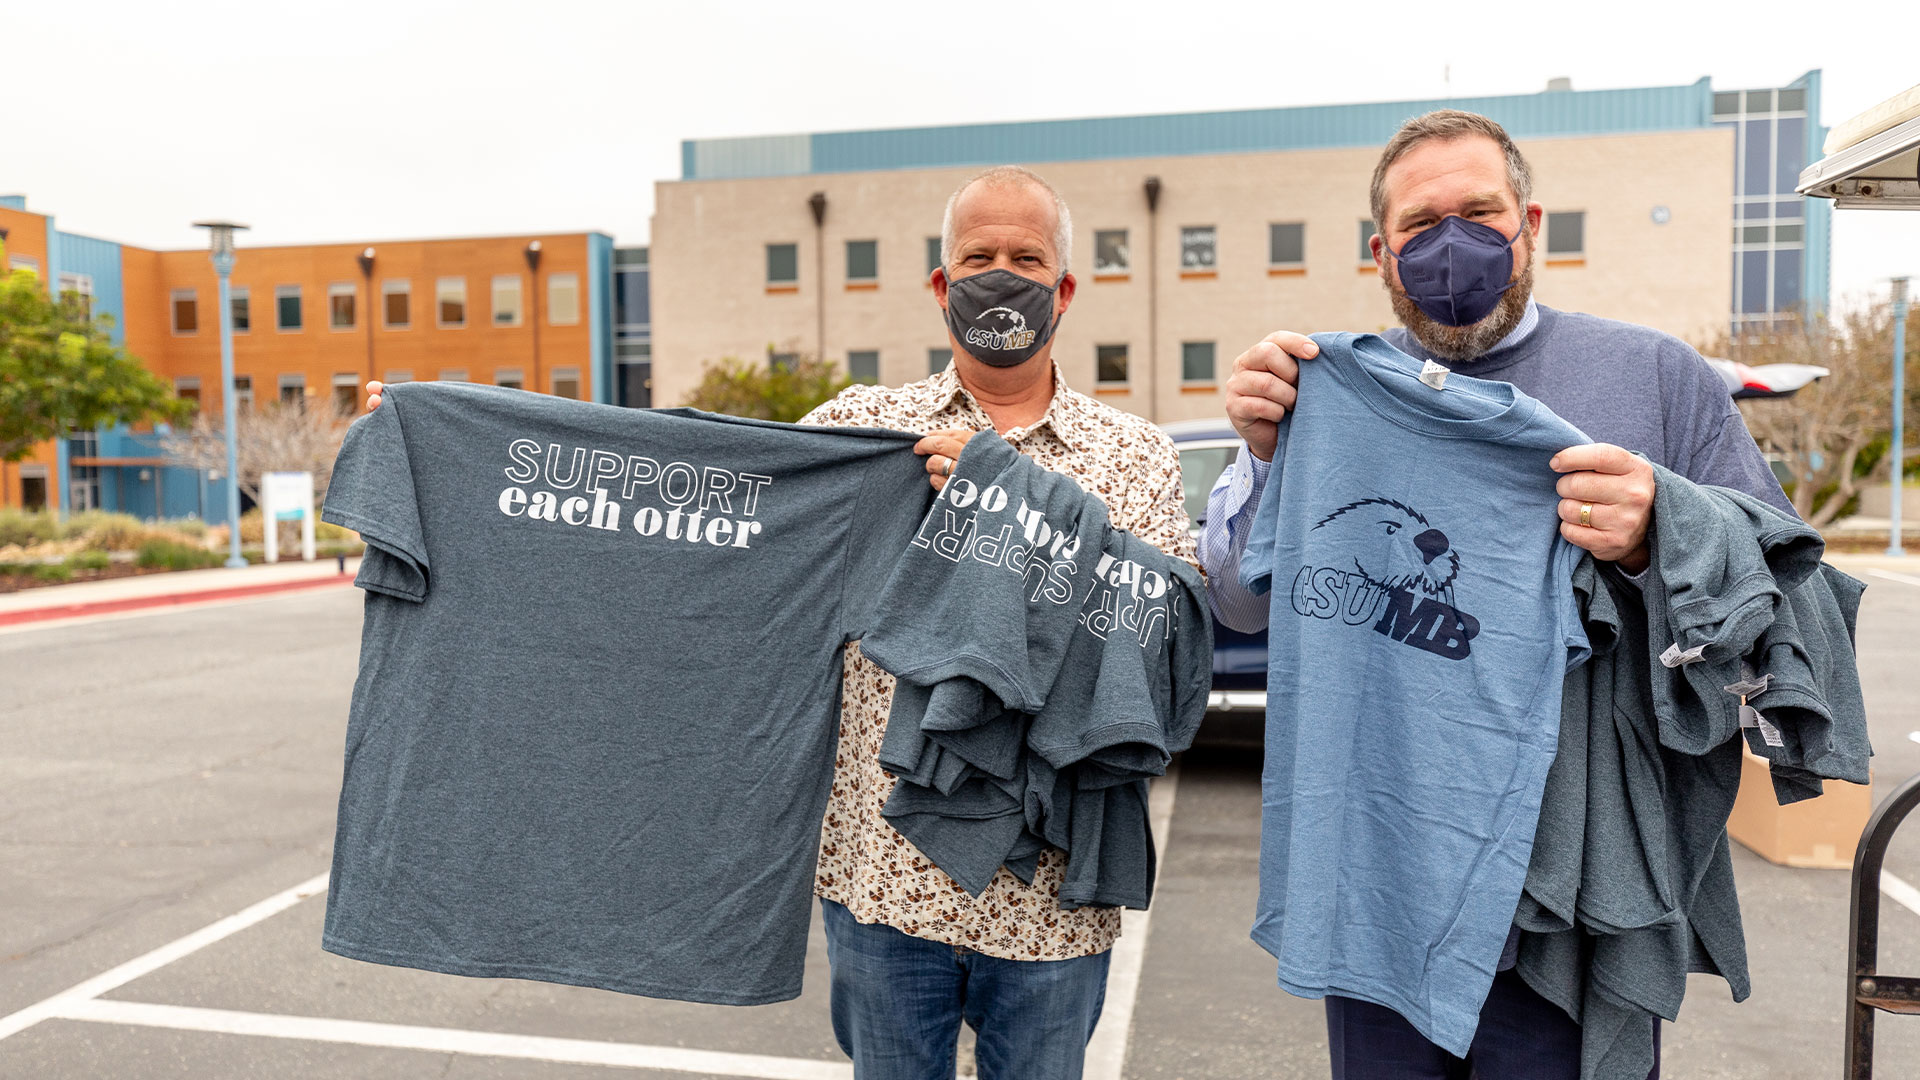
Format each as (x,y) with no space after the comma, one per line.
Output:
(940,286)
(1063,294)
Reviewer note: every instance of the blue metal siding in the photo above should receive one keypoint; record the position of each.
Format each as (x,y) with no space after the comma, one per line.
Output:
(1543,115)
(600,313)
(1815,282)
(100,260)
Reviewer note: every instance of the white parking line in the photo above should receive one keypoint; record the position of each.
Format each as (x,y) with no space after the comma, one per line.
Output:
(454,1041)
(1900,892)
(1107,1050)
(1891,576)
(160,957)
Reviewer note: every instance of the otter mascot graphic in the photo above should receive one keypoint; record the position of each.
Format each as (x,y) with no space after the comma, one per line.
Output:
(1001,329)
(1380,562)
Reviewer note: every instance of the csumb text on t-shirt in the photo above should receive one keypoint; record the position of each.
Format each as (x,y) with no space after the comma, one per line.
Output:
(592,735)
(1422,620)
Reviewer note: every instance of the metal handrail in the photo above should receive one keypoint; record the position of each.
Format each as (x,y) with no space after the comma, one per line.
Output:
(1869,991)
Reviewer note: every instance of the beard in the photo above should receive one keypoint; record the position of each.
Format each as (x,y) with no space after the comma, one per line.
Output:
(1458,344)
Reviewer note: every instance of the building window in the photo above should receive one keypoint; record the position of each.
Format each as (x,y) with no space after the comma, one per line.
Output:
(1196,361)
(23,262)
(76,291)
(396,297)
(340,301)
(33,487)
(240,307)
(1110,254)
(346,393)
(1110,364)
(783,264)
(1197,251)
(933,256)
(293,390)
(509,377)
(286,306)
(938,359)
(566,382)
(1286,245)
(782,361)
(1566,234)
(450,302)
(863,261)
(563,299)
(1366,240)
(186,312)
(863,365)
(457,374)
(243,393)
(506,299)
(398,375)
(187,388)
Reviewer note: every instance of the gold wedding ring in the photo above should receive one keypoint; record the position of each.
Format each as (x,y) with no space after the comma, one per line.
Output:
(1586,515)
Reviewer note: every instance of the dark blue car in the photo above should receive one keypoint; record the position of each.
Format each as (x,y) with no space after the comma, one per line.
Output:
(1238,707)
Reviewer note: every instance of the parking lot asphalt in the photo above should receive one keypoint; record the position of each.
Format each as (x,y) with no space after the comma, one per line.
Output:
(167,772)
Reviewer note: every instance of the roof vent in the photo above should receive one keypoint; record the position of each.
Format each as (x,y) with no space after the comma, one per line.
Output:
(1562,83)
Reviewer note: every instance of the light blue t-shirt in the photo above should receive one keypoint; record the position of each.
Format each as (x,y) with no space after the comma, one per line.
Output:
(1422,618)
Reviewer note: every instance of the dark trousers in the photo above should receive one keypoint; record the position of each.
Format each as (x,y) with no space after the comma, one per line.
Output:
(1522,1036)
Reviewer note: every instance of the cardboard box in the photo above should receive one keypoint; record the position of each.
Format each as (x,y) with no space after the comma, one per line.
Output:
(1818,833)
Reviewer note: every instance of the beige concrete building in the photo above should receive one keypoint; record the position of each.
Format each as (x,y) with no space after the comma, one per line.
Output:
(1239,241)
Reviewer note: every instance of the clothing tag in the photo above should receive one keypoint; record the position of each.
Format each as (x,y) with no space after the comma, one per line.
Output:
(1435,375)
(1674,657)
(1749,685)
(1750,718)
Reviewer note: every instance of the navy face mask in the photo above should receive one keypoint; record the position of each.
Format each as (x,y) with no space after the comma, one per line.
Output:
(1456,271)
(1000,318)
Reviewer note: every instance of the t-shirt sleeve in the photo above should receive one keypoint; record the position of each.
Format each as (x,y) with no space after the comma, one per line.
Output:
(892,499)
(372,493)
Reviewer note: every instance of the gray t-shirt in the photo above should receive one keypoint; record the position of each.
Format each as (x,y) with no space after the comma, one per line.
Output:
(593,731)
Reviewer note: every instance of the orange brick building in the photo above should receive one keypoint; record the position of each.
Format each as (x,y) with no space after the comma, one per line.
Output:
(312,323)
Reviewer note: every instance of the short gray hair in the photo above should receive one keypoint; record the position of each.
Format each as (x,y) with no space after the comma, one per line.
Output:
(1447,125)
(1009,175)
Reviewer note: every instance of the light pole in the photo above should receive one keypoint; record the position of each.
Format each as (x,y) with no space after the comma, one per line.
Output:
(366,271)
(222,234)
(1894,544)
(533,308)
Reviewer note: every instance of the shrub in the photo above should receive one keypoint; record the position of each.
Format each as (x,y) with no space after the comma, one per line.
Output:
(174,555)
(27,527)
(89,560)
(194,527)
(101,530)
(50,572)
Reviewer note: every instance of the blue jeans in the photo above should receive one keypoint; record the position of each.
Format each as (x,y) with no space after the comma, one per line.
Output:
(898,1002)
(1522,1036)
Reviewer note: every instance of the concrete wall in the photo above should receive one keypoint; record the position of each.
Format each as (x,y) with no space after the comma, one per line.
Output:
(712,300)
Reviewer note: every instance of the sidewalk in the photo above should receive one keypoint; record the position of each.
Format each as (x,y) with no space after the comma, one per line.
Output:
(157,590)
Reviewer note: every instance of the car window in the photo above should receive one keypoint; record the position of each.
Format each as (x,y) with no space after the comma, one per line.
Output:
(1199,468)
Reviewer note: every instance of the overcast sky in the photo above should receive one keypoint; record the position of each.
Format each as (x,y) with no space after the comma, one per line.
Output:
(357,120)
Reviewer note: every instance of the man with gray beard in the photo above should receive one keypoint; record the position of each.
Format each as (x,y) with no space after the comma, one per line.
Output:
(1457,229)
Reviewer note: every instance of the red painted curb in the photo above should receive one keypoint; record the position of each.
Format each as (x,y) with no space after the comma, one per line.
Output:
(103,607)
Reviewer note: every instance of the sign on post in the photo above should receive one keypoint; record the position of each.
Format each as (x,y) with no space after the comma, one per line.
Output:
(285,496)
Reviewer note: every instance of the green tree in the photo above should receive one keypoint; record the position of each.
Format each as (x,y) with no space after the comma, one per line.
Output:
(783,391)
(61,371)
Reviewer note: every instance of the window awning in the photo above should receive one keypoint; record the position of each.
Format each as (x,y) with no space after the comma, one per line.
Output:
(1873,160)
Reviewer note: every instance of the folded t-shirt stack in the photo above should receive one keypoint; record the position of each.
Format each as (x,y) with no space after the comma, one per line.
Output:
(1048,664)
(1737,630)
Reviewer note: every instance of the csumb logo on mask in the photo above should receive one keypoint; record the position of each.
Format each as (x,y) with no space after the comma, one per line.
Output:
(1004,329)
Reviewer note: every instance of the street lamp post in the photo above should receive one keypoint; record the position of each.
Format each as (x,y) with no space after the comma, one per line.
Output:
(222,235)
(533,304)
(1895,546)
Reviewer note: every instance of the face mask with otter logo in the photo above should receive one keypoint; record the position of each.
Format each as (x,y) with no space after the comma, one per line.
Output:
(1000,318)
